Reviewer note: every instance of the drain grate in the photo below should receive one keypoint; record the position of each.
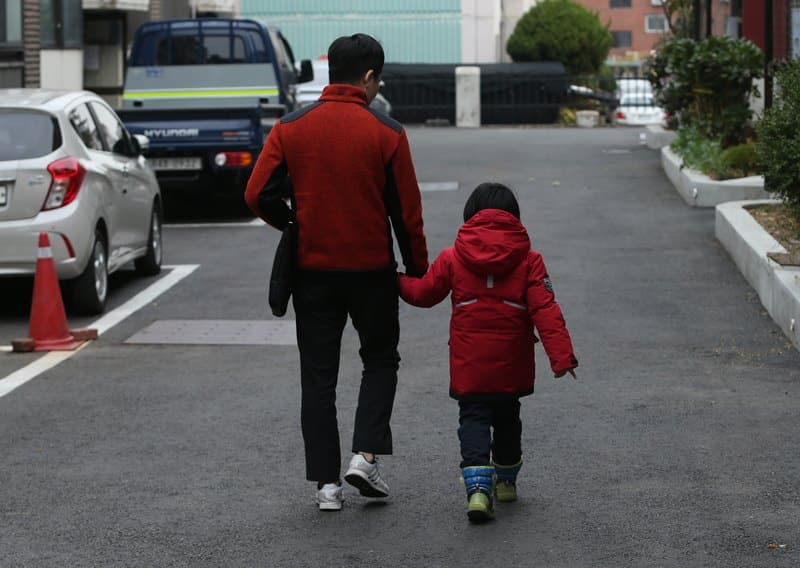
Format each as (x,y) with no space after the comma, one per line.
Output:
(217,332)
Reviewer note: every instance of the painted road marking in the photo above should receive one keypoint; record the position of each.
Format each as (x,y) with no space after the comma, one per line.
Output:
(438,186)
(217,332)
(103,324)
(224,225)
(423,186)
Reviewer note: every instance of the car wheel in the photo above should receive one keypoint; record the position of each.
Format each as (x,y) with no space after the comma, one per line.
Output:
(150,263)
(89,290)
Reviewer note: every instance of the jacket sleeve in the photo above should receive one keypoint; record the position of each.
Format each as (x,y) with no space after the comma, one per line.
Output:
(547,317)
(404,205)
(269,187)
(432,288)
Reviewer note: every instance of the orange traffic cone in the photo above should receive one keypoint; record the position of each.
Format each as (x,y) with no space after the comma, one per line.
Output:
(48,325)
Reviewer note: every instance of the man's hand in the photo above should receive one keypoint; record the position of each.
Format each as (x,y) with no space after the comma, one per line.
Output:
(562,373)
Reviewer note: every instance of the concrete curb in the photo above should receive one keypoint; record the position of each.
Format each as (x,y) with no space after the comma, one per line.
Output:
(657,136)
(699,190)
(748,243)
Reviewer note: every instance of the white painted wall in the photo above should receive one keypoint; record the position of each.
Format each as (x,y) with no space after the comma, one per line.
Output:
(480,28)
(486,26)
(62,69)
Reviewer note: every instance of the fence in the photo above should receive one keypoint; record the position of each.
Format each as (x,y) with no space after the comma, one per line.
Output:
(515,93)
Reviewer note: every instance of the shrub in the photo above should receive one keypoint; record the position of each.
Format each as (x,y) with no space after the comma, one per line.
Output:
(740,161)
(707,155)
(779,138)
(699,152)
(561,30)
(708,84)
(568,116)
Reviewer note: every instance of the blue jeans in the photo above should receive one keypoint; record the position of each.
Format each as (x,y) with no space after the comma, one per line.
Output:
(479,445)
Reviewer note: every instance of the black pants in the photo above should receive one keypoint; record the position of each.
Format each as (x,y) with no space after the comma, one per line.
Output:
(322,302)
(478,444)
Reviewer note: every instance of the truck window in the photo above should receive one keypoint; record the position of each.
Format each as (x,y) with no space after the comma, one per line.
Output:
(189,47)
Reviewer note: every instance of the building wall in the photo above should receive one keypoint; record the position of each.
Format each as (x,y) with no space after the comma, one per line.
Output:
(30,32)
(12,44)
(633,19)
(411,31)
(753,25)
(62,69)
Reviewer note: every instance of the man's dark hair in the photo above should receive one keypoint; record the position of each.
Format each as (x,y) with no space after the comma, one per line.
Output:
(491,196)
(349,57)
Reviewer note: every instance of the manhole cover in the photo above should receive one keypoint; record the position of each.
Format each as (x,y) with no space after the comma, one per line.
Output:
(217,332)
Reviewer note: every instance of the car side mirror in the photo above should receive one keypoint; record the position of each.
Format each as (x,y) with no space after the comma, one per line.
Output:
(141,143)
(306,71)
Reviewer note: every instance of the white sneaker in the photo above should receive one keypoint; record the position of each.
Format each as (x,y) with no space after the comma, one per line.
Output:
(366,477)
(330,497)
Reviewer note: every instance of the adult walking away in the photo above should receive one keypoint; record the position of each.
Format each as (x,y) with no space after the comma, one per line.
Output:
(348,171)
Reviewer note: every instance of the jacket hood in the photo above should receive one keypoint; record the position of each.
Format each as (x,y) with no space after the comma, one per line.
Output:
(492,242)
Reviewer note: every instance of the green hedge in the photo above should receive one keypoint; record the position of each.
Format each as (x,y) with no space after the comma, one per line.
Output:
(779,138)
(561,30)
(708,84)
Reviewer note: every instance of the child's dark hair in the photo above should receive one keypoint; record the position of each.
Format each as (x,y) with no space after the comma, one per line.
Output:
(490,195)
(349,57)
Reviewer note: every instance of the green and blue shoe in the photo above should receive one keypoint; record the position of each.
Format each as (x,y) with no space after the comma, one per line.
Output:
(505,489)
(479,482)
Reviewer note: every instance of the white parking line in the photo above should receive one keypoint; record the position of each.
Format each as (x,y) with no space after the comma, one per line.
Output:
(424,186)
(225,225)
(103,324)
(438,186)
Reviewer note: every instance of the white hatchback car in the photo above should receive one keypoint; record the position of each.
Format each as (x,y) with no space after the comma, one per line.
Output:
(69,167)
(638,109)
(309,92)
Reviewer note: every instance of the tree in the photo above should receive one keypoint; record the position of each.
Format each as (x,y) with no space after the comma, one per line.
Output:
(561,30)
(679,17)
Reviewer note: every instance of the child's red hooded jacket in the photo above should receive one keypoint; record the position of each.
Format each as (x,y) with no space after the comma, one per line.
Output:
(500,293)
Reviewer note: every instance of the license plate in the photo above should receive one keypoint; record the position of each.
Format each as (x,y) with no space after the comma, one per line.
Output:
(3,195)
(176,163)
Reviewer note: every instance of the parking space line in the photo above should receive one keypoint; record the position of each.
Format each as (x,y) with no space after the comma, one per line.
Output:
(426,186)
(103,324)
(225,225)
(140,300)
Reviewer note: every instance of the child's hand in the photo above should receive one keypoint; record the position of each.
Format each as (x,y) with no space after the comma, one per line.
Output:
(562,373)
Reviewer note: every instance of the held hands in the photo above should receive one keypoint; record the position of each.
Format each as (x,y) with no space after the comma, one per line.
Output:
(562,373)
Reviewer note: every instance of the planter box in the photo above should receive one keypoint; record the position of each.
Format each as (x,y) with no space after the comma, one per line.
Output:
(748,243)
(699,190)
(656,136)
(587,118)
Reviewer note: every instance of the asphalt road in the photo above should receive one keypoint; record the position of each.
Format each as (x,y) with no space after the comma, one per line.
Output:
(676,446)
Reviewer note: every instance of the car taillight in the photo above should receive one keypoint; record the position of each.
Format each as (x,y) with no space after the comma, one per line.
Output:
(620,115)
(234,159)
(67,174)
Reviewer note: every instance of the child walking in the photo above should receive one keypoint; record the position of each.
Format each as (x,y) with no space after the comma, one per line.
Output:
(500,293)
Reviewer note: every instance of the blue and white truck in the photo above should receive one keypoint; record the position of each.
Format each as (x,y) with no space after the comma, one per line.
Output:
(205,92)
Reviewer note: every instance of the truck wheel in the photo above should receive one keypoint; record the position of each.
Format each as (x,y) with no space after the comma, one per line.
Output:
(150,263)
(88,291)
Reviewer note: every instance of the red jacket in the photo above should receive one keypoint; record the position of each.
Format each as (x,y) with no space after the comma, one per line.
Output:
(500,292)
(348,169)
